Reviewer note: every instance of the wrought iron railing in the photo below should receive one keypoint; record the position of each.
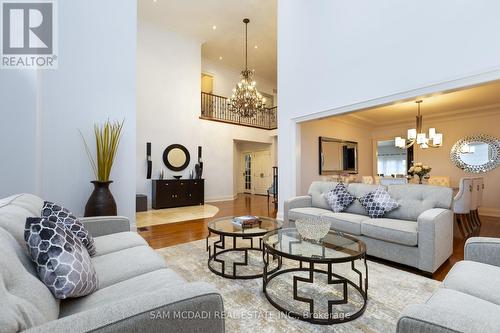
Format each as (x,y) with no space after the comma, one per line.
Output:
(214,107)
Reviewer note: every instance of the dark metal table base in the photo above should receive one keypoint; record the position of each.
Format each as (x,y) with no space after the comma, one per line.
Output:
(361,287)
(220,245)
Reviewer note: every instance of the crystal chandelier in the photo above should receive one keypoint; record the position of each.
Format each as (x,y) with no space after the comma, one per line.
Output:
(246,100)
(416,136)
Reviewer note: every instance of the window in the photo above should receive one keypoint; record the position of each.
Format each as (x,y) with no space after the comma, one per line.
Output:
(390,159)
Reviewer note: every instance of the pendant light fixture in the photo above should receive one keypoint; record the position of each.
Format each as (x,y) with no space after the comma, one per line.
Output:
(246,100)
(417,136)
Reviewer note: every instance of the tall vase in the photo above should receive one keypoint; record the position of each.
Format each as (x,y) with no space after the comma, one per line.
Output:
(101,201)
(420,177)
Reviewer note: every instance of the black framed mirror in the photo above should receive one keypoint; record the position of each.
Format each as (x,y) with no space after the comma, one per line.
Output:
(176,157)
(337,156)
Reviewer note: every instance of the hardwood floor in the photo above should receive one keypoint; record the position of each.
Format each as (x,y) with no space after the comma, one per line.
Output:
(182,232)
(490,228)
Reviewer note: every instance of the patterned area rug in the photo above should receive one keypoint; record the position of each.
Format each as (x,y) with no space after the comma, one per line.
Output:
(247,310)
(173,215)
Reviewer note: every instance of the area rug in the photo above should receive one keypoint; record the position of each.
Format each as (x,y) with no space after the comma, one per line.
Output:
(247,309)
(173,215)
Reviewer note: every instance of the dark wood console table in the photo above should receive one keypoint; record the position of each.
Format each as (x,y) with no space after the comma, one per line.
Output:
(176,193)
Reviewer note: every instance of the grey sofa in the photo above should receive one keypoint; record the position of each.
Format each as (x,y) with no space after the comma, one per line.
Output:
(419,233)
(469,298)
(137,293)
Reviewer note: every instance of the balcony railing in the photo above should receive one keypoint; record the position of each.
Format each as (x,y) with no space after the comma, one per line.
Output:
(214,107)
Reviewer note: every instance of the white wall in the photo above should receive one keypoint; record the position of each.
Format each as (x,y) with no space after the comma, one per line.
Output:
(337,56)
(18,132)
(169,86)
(95,81)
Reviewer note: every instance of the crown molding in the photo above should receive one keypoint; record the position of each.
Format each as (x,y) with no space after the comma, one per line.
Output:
(481,111)
(350,120)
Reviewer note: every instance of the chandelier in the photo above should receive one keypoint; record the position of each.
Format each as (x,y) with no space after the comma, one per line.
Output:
(416,136)
(246,100)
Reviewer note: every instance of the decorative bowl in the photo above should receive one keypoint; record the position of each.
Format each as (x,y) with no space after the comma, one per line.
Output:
(177,177)
(313,228)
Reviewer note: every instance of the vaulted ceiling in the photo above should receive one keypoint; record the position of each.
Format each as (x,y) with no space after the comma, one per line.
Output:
(197,18)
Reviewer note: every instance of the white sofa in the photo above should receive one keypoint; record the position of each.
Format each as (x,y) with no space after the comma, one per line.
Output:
(419,233)
(137,290)
(468,300)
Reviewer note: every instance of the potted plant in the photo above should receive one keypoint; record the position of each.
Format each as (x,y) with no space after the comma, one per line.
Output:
(420,170)
(107,138)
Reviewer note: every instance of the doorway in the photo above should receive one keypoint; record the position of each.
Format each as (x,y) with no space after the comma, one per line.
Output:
(254,173)
(262,172)
(207,83)
(247,174)
(257,172)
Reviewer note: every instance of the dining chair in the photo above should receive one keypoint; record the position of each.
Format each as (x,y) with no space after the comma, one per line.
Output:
(462,206)
(477,197)
(439,181)
(367,180)
(393,181)
(335,178)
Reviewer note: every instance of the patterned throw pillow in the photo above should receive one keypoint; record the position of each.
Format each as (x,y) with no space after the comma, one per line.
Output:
(339,199)
(56,213)
(378,203)
(62,262)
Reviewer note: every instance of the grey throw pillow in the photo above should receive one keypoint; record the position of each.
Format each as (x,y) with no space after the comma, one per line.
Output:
(339,198)
(57,213)
(61,260)
(378,203)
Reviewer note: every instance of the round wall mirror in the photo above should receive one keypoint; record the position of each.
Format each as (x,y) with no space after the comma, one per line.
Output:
(477,153)
(176,157)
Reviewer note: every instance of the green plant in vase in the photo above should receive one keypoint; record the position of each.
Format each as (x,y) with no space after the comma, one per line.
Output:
(420,170)
(107,138)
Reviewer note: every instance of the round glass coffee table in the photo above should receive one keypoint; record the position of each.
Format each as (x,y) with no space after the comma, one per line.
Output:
(329,290)
(237,254)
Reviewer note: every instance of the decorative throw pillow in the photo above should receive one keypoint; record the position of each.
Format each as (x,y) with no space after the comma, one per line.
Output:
(62,261)
(56,213)
(339,199)
(378,203)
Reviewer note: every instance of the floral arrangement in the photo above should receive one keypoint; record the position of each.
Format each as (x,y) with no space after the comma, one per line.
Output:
(420,170)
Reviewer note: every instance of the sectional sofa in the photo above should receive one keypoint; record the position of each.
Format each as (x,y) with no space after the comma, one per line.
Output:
(468,300)
(419,233)
(138,292)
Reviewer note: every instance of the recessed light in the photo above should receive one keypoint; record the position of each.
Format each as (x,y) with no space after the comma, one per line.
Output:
(214,27)
(220,58)
(255,47)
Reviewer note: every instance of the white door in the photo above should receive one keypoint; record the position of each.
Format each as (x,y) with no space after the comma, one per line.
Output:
(262,172)
(247,173)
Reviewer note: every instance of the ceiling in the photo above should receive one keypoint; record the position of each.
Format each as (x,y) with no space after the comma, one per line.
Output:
(484,98)
(196,18)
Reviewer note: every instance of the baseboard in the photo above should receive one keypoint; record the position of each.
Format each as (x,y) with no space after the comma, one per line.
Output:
(217,199)
(486,211)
